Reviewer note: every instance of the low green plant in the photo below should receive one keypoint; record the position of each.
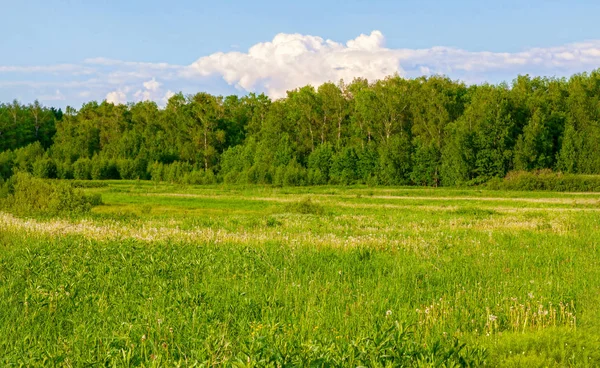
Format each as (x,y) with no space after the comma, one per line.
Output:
(305,207)
(26,195)
(546,180)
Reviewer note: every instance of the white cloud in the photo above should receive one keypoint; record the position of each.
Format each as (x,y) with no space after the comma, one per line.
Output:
(141,95)
(152,85)
(167,97)
(286,62)
(116,97)
(293,60)
(73,69)
(131,64)
(151,91)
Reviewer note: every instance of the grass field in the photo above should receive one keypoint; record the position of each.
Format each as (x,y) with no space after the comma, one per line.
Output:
(164,275)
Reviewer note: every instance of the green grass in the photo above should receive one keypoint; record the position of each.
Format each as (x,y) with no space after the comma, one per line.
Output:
(162,275)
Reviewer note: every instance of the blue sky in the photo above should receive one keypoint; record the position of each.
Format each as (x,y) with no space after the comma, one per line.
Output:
(67,52)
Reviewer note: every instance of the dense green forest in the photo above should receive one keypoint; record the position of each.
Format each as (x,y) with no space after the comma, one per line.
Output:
(425,131)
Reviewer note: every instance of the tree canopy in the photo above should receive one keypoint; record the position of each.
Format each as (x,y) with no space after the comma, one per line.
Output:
(395,131)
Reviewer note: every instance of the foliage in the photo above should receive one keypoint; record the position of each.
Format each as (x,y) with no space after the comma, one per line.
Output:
(29,196)
(305,207)
(425,131)
(547,180)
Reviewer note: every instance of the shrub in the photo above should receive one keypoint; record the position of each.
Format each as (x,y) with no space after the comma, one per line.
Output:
(344,167)
(305,207)
(316,177)
(368,162)
(141,168)
(26,156)
(295,174)
(198,177)
(64,170)
(231,178)
(394,161)
(259,173)
(82,169)
(44,168)
(126,169)
(176,172)
(279,174)
(546,180)
(320,160)
(6,164)
(103,169)
(33,196)
(157,171)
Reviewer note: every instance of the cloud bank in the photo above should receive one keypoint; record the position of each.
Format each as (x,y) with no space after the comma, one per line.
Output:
(286,62)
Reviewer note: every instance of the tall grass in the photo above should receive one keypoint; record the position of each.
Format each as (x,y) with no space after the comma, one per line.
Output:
(502,282)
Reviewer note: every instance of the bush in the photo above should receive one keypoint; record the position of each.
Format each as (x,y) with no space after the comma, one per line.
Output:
(126,169)
(157,171)
(546,180)
(103,169)
(141,168)
(26,156)
(320,161)
(45,169)
(82,169)
(6,164)
(231,177)
(279,174)
(176,172)
(305,207)
(344,167)
(316,177)
(33,196)
(64,170)
(295,174)
(259,173)
(198,177)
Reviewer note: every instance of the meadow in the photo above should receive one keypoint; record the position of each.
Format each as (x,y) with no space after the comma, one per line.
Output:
(253,276)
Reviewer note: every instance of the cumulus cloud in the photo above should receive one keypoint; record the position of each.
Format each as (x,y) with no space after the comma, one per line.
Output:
(293,60)
(151,91)
(167,97)
(286,62)
(116,97)
(152,85)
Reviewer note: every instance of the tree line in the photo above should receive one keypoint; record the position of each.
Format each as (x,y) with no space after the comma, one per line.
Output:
(395,131)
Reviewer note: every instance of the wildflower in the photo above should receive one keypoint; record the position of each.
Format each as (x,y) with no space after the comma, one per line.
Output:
(492,318)
(144,337)
(388,313)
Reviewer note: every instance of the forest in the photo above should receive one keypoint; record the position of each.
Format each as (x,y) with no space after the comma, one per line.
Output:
(428,131)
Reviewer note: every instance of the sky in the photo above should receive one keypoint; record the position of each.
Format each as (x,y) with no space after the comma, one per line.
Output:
(68,52)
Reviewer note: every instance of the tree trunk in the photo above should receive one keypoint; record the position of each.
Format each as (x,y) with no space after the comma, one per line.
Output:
(339,137)
(205,150)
